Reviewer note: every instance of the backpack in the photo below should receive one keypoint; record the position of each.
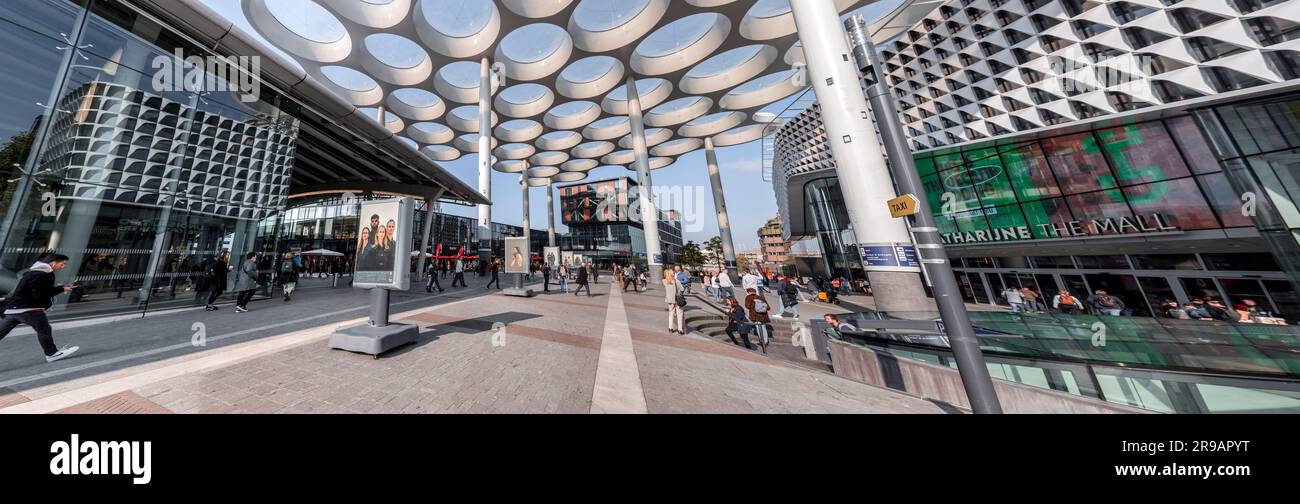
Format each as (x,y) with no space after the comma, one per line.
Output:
(1108,301)
(760,306)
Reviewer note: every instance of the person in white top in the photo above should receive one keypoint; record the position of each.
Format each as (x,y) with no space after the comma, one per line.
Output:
(750,281)
(725,286)
(1015,299)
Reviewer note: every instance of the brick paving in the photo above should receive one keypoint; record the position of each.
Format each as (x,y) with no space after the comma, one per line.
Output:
(545,361)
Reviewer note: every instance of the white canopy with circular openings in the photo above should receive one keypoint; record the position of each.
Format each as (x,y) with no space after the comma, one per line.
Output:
(519,130)
(579,165)
(416,104)
(677,147)
(653,137)
(514,151)
(701,68)
(543,172)
(569,177)
(524,100)
(548,158)
(510,166)
(593,150)
(559,140)
(430,133)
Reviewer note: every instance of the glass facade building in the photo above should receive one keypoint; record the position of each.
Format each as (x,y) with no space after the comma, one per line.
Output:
(1145,211)
(138,184)
(604,224)
(143,155)
(1149,177)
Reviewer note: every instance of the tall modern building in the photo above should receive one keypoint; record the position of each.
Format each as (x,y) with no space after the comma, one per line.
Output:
(604,225)
(1141,148)
(775,248)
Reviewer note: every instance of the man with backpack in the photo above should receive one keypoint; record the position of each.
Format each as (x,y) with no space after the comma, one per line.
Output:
(1105,304)
(1066,302)
(31,298)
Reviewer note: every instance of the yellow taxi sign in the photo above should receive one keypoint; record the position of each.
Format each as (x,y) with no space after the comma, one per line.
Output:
(904,206)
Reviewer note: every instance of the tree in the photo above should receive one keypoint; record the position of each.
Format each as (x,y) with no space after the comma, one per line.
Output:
(691,255)
(714,246)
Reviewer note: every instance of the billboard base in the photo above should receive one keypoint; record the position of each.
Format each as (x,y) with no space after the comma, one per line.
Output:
(516,292)
(371,340)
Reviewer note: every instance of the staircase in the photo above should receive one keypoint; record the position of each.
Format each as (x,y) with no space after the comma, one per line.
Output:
(708,318)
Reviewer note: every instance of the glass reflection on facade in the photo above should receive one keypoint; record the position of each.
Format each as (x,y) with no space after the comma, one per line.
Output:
(1134,179)
(141,185)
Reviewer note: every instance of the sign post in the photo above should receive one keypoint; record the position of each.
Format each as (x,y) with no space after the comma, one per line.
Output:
(904,206)
(382,264)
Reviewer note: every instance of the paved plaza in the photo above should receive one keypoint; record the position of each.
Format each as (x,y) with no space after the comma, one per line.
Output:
(479,352)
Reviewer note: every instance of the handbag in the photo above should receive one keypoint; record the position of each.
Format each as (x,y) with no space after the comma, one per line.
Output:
(680,301)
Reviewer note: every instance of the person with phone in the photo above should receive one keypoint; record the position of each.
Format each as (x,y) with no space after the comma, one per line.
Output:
(31,298)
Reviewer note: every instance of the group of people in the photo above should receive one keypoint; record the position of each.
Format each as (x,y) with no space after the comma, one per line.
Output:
(753,314)
(1212,308)
(377,248)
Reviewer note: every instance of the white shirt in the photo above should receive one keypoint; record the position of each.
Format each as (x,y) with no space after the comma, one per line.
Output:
(1014,296)
(724,279)
(750,281)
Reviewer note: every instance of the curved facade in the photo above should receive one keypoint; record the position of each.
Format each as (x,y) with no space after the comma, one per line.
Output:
(1041,176)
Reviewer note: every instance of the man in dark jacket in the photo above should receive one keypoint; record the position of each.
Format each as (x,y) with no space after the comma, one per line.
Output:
(31,298)
(582,281)
(217,279)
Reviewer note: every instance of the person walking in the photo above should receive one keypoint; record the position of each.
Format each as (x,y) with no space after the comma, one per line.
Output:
(288,278)
(789,299)
(1015,298)
(495,270)
(218,274)
(632,278)
(683,279)
(1032,303)
(582,281)
(738,323)
(458,274)
(757,309)
(726,289)
(749,281)
(432,271)
(246,282)
(675,297)
(29,300)
(1105,304)
(1066,303)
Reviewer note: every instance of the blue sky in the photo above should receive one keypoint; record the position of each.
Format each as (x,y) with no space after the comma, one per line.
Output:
(750,199)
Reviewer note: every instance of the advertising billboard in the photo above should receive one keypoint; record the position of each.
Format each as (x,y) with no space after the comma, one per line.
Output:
(517,255)
(383,244)
(551,256)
